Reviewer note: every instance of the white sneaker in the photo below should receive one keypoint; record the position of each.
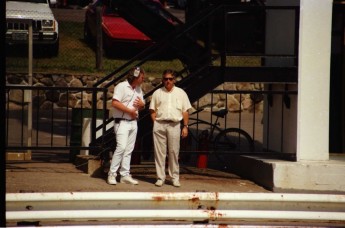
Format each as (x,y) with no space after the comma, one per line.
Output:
(111,179)
(176,183)
(128,180)
(159,183)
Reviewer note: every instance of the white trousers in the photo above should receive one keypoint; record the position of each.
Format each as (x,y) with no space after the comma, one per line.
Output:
(166,138)
(125,133)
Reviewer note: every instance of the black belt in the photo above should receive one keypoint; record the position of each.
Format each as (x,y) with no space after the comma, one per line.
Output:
(168,121)
(117,120)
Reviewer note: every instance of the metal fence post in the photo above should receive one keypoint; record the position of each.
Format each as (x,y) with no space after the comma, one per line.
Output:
(29,92)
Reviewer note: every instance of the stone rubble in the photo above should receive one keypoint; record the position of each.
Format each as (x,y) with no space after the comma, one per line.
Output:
(57,98)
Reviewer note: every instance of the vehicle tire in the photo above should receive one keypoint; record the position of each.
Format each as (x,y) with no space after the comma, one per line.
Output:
(232,141)
(54,49)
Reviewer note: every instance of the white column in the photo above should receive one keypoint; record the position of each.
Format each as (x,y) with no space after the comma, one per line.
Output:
(314,80)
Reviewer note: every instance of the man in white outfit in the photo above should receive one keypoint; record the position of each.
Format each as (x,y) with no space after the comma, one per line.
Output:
(128,99)
(169,106)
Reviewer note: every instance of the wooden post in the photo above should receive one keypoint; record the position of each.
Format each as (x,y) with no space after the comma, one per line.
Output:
(29,93)
(99,47)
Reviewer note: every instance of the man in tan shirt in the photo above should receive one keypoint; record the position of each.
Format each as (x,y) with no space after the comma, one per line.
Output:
(169,106)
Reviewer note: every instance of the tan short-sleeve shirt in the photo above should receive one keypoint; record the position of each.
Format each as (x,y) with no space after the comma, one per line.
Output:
(170,105)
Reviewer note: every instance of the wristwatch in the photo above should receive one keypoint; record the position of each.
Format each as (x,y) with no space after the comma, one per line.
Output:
(185,125)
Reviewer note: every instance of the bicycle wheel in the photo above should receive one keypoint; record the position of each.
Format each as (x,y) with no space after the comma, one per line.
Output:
(199,140)
(201,130)
(232,141)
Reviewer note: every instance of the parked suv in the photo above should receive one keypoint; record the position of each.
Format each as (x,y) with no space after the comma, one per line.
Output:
(19,13)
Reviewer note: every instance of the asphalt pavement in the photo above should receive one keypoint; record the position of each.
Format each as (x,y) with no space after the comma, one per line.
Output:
(53,172)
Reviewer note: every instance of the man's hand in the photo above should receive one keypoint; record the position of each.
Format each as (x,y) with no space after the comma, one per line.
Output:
(138,103)
(134,113)
(184,132)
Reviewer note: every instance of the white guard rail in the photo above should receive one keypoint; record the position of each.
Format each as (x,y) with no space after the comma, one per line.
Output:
(179,208)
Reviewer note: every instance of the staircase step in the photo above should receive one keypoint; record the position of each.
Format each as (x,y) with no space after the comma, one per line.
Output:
(89,164)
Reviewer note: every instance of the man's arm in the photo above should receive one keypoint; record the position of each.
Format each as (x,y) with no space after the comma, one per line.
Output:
(185,116)
(184,132)
(118,105)
(153,115)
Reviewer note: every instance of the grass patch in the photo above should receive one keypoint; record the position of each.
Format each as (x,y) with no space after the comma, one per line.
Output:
(76,57)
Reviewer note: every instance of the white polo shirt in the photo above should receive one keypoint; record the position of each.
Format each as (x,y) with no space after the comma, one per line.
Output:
(124,93)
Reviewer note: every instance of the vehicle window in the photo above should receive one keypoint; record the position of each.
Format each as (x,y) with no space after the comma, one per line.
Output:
(32,1)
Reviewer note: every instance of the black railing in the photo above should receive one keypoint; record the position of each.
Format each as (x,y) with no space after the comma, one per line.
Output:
(241,115)
(53,124)
(55,117)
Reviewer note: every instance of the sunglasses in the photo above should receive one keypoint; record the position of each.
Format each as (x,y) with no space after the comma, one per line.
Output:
(166,79)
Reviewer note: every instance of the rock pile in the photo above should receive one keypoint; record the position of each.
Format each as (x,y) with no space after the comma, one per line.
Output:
(46,99)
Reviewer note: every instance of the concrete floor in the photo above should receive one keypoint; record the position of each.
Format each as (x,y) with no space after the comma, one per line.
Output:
(54,173)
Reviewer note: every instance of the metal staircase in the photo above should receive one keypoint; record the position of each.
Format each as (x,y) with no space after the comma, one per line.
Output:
(203,53)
